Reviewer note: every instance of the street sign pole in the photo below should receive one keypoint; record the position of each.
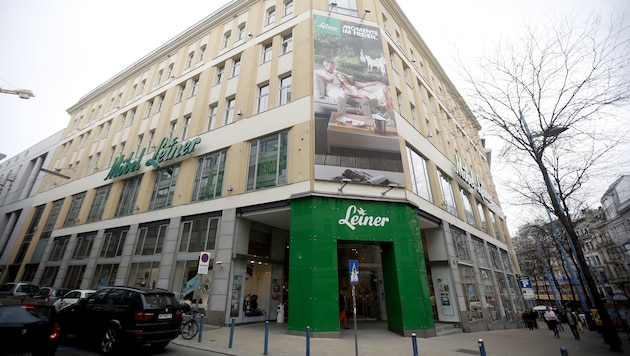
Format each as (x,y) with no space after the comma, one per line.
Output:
(353,266)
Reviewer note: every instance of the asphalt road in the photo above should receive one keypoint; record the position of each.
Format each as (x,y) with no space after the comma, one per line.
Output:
(72,346)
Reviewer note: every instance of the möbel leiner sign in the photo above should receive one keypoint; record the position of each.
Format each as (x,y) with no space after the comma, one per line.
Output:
(168,149)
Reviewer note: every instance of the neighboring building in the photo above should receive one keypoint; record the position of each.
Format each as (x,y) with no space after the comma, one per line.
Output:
(20,178)
(232,142)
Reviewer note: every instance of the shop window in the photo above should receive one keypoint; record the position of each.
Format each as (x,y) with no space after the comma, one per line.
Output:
(143,274)
(48,277)
(113,243)
(480,252)
(491,297)
(494,255)
(150,240)
(83,247)
(460,243)
(208,182)
(267,165)
(104,275)
(471,293)
(73,277)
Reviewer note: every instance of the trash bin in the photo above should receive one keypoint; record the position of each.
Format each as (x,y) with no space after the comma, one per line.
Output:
(280,319)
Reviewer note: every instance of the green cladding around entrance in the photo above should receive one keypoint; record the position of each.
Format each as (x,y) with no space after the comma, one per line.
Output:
(317,226)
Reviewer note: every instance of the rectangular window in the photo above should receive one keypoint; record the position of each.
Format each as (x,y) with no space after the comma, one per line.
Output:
(482,217)
(195,86)
(171,128)
(130,116)
(494,256)
(480,252)
(226,39)
(236,67)
(491,295)
(113,243)
(268,161)
(128,195)
(241,32)
(150,240)
(229,111)
(169,74)
(471,293)
(460,244)
(73,277)
(209,177)
(164,187)
(285,90)
(271,16)
(180,93)
(73,213)
(104,275)
(149,107)
(83,247)
(160,102)
(59,248)
(470,217)
(189,59)
(186,127)
(288,7)
(267,52)
(287,43)
(202,53)
(132,93)
(212,116)
(49,276)
(98,204)
(421,185)
(158,78)
(143,274)
(447,193)
(263,98)
(219,77)
(199,235)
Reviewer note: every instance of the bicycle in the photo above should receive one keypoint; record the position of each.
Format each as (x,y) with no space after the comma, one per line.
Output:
(190,327)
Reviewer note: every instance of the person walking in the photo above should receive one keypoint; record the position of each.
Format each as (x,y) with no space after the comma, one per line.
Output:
(343,318)
(552,321)
(572,320)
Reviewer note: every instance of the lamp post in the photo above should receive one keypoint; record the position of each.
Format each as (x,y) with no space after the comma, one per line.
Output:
(609,332)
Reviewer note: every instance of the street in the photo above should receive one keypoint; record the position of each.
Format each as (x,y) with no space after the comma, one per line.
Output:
(72,347)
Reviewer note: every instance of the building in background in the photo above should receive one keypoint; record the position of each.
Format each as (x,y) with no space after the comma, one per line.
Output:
(245,163)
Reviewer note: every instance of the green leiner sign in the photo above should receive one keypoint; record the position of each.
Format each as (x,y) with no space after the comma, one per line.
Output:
(318,224)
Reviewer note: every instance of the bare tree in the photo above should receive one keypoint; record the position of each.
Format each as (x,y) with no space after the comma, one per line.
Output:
(561,75)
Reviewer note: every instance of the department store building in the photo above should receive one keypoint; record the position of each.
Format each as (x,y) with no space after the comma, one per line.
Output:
(282,140)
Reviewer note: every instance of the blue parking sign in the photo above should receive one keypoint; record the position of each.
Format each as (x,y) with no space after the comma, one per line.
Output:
(353,266)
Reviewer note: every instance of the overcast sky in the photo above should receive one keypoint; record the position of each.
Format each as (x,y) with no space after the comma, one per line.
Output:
(63,49)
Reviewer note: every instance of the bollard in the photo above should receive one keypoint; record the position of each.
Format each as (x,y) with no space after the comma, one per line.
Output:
(563,351)
(308,340)
(482,349)
(266,336)
(200,329)
(414,344)
(232,332)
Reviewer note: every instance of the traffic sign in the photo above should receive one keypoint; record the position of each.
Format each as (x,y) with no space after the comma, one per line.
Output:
(204,263)
(354,271)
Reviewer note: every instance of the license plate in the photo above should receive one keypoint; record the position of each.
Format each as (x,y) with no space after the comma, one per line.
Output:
(165,316)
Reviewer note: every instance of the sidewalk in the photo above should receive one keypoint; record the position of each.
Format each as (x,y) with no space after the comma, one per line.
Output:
(373,338)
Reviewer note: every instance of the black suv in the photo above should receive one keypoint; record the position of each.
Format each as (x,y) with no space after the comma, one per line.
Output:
(124,315)
(27,327)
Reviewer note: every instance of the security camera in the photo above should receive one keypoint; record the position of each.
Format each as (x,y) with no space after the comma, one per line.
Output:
(218,262)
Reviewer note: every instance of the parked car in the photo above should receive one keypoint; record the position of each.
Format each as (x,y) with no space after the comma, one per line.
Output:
(18,288)
(50,294)
(72,297)
(116,316)
(28,327)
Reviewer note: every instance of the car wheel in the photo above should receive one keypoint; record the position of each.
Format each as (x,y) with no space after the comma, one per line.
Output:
(109,340)
(159,346)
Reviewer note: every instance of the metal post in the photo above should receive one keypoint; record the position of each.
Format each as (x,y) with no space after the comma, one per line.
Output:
(200,328)
(563,351)
(308,340)
(232,332)
(482,348)
(548,276)
(354,314)
(414,344)
(266,337)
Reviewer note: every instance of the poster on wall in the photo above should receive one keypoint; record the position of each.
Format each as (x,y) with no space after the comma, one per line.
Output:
(445,297)
(356,138)
(237,287)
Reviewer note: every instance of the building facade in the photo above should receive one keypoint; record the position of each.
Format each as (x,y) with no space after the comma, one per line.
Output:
(249,162)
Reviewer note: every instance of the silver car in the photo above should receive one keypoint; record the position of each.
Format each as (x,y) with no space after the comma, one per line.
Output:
(72,297)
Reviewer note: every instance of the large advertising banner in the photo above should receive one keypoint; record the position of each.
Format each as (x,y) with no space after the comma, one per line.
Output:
(356,139)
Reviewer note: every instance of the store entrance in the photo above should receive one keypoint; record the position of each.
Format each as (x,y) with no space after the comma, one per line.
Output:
(369,292)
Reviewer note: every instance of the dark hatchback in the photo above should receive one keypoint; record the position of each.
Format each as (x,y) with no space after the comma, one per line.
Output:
(116,316)
(27,327)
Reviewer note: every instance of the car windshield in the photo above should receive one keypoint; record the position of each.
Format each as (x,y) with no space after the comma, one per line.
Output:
(157,300)
(24,314)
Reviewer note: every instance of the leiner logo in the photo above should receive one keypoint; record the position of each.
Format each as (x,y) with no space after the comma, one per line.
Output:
(357,216)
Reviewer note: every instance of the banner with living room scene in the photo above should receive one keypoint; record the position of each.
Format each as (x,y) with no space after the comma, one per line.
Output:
(355,129)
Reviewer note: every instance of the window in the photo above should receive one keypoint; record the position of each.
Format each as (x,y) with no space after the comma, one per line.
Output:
(104,275)
(460,244)
(219,76)
(132,93)
(164,187)
(189,59)
(73,213)
(346,7)
(471,294)
(195,86)
(229,111)
(121,125)
(186,127)
(287,43)
(263,98)
(288,7)
(98,204)
(212,116)
(130,116)
(285,90)
(209,177)
(226,39)
(199,235)
(236,67)
(142,84)
(73,277)
(149,107)
(158,79)
(480,252)
(171,129)
(113,243)
(58,248)
(48,278)
(241,32)
(447,193)
(180,93)
(202,53)
(83,247)
(491,296)
(143,274)
(494,225)
(128,195)
(271,16)
(267,52)
(494,256)
(150,240)
(421,185)
(160,103)
(169,73)
(470,217)
(482,217)
(267,165)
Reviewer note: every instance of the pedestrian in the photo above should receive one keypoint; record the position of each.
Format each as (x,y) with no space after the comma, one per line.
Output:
(525,318)
(572,320)
(561,319)
(533,319)
(552,321)
(343,318)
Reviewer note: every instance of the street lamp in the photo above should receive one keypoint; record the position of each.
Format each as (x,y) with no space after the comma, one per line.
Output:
(609,332)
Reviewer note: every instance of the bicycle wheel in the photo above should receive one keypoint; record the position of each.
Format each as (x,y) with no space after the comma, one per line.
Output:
(190,329)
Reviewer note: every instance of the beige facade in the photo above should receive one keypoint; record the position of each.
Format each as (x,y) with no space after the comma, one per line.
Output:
(237,80)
